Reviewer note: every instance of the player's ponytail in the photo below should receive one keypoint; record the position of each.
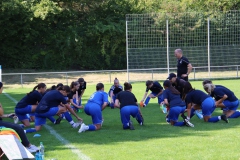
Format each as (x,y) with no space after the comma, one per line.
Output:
(99,86)
(73,84)
(39,86)
(127,86)
(1,84)
(209,87)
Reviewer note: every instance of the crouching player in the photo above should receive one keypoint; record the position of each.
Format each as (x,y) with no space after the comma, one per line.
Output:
(127,103)
(172,99)
(96,103)
(225,99)
(203,101)
(53,103)
(156,89)
(114,90)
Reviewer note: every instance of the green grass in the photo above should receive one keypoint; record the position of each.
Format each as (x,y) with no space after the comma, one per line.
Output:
(155,140)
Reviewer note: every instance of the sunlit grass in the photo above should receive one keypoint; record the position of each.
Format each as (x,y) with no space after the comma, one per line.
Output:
(155,140)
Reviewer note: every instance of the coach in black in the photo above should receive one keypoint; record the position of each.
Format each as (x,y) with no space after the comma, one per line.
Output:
(184,67)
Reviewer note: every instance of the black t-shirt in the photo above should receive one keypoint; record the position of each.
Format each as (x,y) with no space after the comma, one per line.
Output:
(182,66)
(71,94)
(126,98)
(156,87)
(82,87)
(179,85)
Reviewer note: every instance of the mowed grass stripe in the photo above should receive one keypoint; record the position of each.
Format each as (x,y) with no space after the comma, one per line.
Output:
(59,137)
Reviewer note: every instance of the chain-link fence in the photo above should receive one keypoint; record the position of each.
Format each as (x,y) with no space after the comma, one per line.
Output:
(207,40)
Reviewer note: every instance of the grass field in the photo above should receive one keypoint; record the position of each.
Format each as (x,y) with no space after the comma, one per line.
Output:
(155,140)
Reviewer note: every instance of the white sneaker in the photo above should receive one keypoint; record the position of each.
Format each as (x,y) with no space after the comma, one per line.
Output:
(188,123)
(83,128)
(32,148)
(76,125)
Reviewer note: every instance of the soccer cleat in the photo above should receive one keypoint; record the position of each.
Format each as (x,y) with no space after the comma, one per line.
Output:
(199,114)
(188,123)
(77,124)
(183,116)
(83,128)
(102,122)
(131,126)
(32,148)
(58,120)
(224,118)
(140,121)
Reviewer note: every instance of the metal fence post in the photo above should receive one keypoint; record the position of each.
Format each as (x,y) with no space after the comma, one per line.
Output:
(110,78)
(194,73)
(152,74)
(67,78)
(21,81)
(237,71)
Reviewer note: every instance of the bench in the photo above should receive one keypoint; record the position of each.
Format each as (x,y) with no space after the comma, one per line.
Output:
(13,148)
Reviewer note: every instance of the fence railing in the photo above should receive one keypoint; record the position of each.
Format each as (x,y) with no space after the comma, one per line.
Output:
(108,76)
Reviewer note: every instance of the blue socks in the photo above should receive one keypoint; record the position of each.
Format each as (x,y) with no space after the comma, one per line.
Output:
(52,119)
(179,124)
(147,100)
(235,115)
(213,119)
(91,127)
(68,116)
(31,130)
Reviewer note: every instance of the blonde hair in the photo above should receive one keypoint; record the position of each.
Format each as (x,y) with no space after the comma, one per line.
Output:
(209,87)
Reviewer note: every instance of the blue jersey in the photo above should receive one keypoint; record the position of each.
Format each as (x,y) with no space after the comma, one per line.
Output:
(156,87)
(30,99)
(51,99)
(196,97)
(115,89)
(219,92)
(173,99)
(98,97)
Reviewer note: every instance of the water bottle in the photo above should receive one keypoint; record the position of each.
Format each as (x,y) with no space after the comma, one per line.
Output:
(41,149)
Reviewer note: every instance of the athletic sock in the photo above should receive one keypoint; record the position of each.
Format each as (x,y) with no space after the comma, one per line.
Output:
(235,115)
(71,122)
(139,118)
(30,130)
(192,112)
(147,100)
(68,117)
(214,119)
(91,127)
(179,124)
(52,119)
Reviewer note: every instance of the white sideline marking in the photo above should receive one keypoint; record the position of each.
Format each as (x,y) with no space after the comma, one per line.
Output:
(59,137)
